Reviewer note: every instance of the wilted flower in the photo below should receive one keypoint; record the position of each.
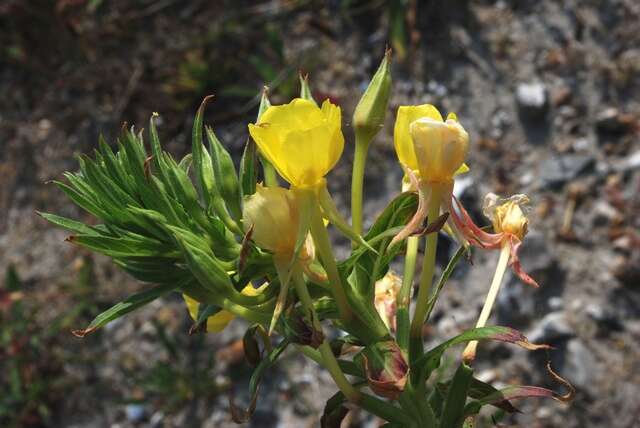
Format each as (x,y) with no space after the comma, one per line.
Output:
(301,140)
(385,298)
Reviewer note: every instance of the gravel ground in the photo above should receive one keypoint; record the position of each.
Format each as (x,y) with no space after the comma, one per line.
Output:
(547,90)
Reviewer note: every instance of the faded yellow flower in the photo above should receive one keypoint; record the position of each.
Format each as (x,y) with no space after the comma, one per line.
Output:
(301,140)
(273,214)
(507,215)
(426,143)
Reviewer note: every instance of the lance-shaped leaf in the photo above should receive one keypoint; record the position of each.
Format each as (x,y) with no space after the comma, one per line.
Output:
(431,359)
(225,174)
(205,175)
(385,367)
(453,411)
(243,415)
(249,168)
(500,398)
(130,304)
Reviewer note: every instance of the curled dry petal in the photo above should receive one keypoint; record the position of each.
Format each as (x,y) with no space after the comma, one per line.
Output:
(514,261)
(416,222)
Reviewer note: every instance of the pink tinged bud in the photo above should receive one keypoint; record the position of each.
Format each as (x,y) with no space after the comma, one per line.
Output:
(386,369)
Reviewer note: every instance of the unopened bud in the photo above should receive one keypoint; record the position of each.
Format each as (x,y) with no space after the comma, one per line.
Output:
(368,117)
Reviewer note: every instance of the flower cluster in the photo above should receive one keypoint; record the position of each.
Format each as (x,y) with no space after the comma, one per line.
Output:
(236,244)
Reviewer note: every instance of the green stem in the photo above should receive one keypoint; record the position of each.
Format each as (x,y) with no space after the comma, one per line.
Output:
(357,181)
(329,360)
(426,277)
(270,176)
(404,295)
(323,245)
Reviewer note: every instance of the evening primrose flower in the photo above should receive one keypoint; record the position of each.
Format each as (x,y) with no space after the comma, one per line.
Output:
(510,225)
(301,140)
(432,152)
(274,216)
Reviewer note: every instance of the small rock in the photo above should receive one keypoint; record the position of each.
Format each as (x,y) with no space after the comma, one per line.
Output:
(604,317)
(612,121)
(555,303)
(604,212)
(532,98)
(135,412)
(558,170)
(627,270)
(553,327)
(580,367)
(630,163)
(518,303)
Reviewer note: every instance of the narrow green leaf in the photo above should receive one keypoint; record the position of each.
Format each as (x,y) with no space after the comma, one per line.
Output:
(453,412)
(248,168)
(130,304)
(66,223)
(226,176)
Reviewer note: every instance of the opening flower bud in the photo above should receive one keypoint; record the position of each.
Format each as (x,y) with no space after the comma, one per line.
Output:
(440,147)
(507,215)
(274,215)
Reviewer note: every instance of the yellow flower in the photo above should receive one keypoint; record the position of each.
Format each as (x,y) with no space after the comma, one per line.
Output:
(301,140)
(507,215)
(274,215)
(426,143)
(216,323)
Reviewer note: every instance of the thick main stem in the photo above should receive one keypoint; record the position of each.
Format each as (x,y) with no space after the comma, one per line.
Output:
(323,245)
(469,353)
(329,360)
(357,182)
(428,268)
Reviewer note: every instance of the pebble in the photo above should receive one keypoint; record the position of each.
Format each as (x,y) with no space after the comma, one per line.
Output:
(557,170)
(135,412)
(580,366)
(532,98)
(552,328)
(611,120)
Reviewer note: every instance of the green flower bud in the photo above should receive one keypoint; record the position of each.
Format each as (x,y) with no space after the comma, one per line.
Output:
(368,117)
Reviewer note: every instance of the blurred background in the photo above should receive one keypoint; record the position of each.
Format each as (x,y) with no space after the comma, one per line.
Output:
(549,92)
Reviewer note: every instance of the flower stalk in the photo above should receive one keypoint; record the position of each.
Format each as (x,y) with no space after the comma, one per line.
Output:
(469,353)
(426,276)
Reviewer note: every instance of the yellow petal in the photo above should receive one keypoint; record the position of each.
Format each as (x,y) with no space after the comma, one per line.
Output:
(401,136)
(215,323)
(464,168)
(302,141)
